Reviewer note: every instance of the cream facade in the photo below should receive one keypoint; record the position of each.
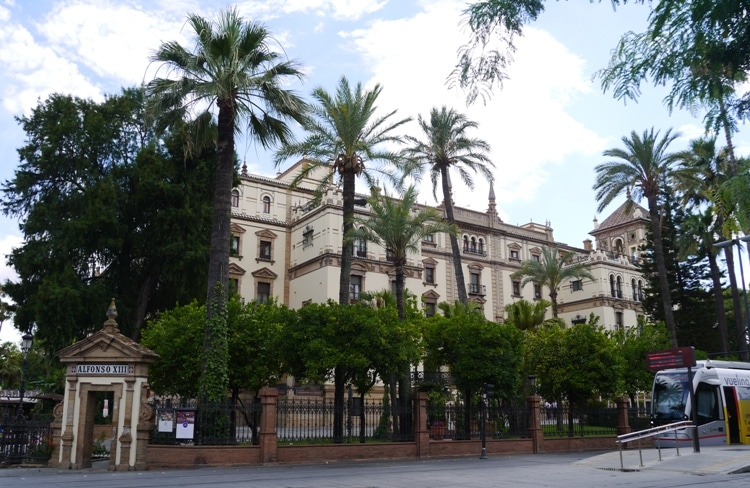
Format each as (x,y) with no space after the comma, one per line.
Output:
(286,246)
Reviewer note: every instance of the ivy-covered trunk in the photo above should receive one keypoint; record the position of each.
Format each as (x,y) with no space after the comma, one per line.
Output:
(214,374)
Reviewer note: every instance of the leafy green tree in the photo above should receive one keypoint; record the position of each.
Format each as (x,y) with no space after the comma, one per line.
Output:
(476,351)
(643,168)
(105,210)
(526,315)
(343,137)
(552,270)
(446,144)
(235,69)
(346,343)
(256,331)
(578,363)
(633,344)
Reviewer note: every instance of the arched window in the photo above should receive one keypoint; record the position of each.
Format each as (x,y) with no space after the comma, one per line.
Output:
(481,246)
(619,287)
(635,289)
(473,245)
(466,243)
(612,289)
(266,204)
(640,291)
(235,198)
(618,247)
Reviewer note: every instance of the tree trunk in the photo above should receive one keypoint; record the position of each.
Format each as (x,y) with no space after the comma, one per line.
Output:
(338,405)
(738,315)
(666,296)
(721,314)
(456,251)
(553,299)
(348,183)
(218,265)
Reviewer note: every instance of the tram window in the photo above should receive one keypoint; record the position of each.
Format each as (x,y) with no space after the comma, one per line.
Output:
(707,398)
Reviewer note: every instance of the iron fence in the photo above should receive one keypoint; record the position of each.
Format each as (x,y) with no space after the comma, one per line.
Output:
(566,421)
(25,441)
(215,424)
(313,420)
(455,421)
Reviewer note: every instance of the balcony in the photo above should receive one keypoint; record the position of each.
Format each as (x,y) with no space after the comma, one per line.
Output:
(475,251)
(475,289)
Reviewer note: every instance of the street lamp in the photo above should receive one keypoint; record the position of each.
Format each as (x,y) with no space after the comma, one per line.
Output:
(743,336)
(26,342)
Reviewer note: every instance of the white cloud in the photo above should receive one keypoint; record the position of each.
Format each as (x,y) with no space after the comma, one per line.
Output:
(411,59)
(338,9)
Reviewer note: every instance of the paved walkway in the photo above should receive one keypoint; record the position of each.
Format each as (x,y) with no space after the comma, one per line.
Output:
(713,466)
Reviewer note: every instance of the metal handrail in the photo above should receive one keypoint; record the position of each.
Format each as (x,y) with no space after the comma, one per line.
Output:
(648,433)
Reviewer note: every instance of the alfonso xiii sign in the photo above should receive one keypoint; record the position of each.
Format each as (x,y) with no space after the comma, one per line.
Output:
(103,369)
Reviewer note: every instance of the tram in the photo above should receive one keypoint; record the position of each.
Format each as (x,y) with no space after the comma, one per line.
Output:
(722,399)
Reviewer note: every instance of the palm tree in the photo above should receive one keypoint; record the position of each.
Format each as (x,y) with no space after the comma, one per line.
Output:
(643,167)
(343,135)
(702,171)
(552,269)
(446,145)
(233,69)
(526,315)
(399,226)
(697,236)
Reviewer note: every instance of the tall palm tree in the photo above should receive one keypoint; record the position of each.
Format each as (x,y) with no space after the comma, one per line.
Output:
(445,145)
(552,270)
(701,173)
(399,226)
(643,167)
(234,69)
(343,134)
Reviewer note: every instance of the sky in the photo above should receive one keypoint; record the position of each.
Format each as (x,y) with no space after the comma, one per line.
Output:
(547,125)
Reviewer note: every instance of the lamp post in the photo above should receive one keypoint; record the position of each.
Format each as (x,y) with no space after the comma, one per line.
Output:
(26,342)
(742,336)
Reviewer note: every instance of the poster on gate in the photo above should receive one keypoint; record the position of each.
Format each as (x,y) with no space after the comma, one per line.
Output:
(185,423)
(165,419)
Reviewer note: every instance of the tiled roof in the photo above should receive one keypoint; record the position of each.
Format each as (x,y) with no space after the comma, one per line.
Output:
(621,216)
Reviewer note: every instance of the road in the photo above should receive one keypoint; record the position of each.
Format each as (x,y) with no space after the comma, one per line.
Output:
(574,470)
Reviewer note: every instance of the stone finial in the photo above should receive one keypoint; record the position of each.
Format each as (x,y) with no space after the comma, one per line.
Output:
(110,325)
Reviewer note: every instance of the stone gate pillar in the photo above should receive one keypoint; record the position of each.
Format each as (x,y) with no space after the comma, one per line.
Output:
(106,361)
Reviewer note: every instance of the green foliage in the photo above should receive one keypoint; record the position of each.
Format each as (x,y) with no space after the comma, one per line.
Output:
(526,315)
(105,209)
(577,363)
(445,143)
(633,344)
(255,331)
(343,128)
(357,339)
(477,351)
(399,226)
(552,270)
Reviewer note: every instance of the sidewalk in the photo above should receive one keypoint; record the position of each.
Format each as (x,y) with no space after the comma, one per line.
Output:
(711,460)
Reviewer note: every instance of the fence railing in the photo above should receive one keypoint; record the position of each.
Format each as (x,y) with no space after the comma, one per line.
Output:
(215,423)
(567,421)
(314,420)
(25,440)
(455,421)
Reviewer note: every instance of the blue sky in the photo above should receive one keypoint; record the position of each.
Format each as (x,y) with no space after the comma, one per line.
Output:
(548,125)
